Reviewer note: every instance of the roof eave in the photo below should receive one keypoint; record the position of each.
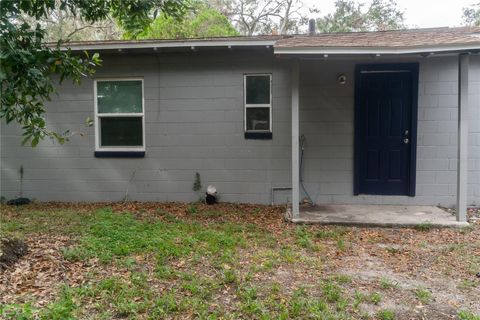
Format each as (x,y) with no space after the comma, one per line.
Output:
(375,50)
(173,44)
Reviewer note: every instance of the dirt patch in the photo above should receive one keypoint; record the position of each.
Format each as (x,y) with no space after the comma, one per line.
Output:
(10,251)
(373,264)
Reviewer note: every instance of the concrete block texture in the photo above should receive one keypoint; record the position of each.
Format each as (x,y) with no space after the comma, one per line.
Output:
(194,123)
(326,105)
(194,117)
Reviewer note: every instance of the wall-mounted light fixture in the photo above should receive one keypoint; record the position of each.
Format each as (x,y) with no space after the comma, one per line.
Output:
(342,79)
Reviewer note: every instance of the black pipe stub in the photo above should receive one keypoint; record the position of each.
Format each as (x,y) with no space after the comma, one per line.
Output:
(211,196)
(210,199)
(18,202)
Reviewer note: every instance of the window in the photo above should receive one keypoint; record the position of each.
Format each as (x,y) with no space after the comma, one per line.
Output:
(119,115)
(258,106)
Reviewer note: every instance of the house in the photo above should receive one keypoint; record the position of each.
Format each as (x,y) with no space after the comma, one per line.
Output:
(388,117)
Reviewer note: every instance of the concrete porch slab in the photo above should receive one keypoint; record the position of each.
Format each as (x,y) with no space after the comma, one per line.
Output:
(377,216)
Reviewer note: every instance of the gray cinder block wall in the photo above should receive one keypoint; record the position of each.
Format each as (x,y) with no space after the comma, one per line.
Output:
(474,129)
(327,121)
(194,123)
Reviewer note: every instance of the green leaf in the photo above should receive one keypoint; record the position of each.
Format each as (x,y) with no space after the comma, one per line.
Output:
(35,141)
(89,122)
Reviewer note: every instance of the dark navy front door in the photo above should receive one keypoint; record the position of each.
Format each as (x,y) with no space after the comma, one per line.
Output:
(383,125)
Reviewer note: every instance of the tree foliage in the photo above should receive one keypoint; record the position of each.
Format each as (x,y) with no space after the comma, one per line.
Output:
(471,15)
(199,22)
(28,65)
(63,24)
(352,16)
(264,17)
(252,17)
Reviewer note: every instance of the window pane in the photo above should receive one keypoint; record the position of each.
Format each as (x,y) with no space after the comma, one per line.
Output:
(119,96)
(258,89)
(258,119)
(121,131)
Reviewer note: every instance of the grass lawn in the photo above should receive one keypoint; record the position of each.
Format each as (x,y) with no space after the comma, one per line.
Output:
(184,261)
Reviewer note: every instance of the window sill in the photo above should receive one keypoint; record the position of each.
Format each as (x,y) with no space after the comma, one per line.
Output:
(259,135)
(119,154)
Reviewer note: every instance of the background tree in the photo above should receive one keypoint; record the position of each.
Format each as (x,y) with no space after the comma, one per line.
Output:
(292,17)
(385,15)
(471,15)
(200,21)
(63,24)
(352,16)
(264,17)
(28,66)
(67,26)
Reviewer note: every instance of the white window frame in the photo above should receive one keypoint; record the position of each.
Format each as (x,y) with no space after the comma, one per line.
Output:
(246,106)
(98,115)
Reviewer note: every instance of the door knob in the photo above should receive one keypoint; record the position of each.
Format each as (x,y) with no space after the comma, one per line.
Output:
(405,137)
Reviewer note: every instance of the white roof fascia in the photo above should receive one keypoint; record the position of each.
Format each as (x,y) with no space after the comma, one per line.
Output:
(375,50)
(173,44)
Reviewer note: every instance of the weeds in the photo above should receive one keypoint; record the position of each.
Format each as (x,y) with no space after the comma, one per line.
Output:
(359,297)
(335,233)
(230,277)
(342,278)
(192,209)
(303,238)
(386,314)
(424,226)
(467,285)
(332,292)
(393,250)
(165,305)
(467,315)
(388,284)
(375,298)
(423,295)
(341,245)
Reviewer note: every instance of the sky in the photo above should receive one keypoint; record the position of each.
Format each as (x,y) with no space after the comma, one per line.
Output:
(417,13)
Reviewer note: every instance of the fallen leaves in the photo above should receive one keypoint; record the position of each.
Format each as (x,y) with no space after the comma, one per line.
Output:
(36,273)
(407,256)
(10,251)
(39,275)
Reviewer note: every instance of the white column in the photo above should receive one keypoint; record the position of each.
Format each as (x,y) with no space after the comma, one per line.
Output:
(462,172)
(295,141)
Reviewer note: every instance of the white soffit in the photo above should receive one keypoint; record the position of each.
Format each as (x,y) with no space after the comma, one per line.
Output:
(373,50)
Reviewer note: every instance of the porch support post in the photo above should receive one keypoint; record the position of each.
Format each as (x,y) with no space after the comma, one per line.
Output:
(462,172)
(295,141)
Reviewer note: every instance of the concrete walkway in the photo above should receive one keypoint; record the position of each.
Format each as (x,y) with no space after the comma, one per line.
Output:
(377,216)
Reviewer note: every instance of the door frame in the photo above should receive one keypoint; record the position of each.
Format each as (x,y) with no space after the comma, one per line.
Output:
(412,68)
